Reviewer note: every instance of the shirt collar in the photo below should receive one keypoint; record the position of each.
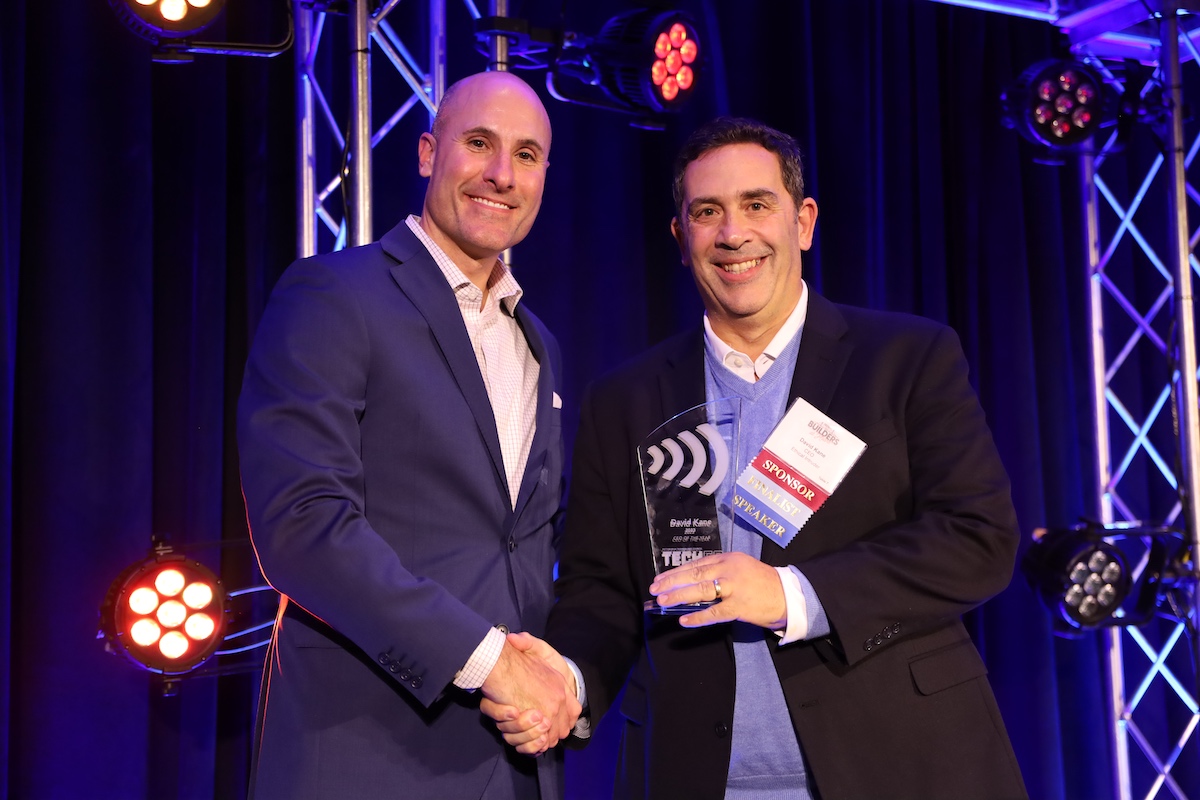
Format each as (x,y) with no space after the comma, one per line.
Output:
(501,283)
(794,323)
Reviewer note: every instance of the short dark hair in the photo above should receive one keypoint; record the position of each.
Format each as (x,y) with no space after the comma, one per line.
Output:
(438,118)
(724,131)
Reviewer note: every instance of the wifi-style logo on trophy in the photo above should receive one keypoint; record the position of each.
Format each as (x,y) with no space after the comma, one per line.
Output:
(684,463)
(699,450)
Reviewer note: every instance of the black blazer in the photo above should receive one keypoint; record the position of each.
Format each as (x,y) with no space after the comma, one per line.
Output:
(895,702)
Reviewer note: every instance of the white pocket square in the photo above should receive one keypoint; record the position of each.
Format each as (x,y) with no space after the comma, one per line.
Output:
(556,401)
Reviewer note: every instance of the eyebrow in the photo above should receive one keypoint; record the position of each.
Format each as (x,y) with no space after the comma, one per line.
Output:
(748,194)
(484,130)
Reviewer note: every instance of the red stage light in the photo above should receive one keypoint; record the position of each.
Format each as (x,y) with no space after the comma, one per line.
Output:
(1057,104)
(145,632)
(197,595)
(166,614)
(658,72)
(199,626)
(674,61)
(678,34)
(167,20)
(670,89)
(662,46)
(169,582)
(636,51)
(173,645)
(143,601)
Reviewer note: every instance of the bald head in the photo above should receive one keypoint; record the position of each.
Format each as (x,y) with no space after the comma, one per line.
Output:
(486,84)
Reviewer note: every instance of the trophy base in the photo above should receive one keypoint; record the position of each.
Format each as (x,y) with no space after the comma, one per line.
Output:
(652,607)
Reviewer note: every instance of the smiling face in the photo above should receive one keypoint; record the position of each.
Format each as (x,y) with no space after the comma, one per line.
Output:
(742,234)
(486,168)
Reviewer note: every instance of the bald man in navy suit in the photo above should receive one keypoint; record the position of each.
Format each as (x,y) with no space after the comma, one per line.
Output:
(401,455)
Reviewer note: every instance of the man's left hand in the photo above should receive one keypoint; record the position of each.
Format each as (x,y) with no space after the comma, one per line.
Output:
(749,590)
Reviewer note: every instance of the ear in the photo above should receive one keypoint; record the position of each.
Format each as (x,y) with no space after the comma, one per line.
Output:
(807,219)
(426,146)
(677,232)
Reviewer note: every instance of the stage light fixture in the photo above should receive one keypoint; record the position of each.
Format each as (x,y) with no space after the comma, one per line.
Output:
(158,21)
(644,62)
(171,26)
(648,59)
(1094,576)
(1058,104)
(166,613)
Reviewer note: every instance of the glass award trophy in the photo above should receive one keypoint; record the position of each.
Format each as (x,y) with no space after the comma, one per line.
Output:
(684,463)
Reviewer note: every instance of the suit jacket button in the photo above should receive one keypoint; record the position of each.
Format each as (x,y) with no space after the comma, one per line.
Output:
(867,645)
(384,659)
(416,682)
(512,545)
(896,628)
(722,730)
(878,639)
(405,674)
(393,667)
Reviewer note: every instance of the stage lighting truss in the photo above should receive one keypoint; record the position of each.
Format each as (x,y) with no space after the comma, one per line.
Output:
(169,614)
(643,62)
(1096,576)
(172,25)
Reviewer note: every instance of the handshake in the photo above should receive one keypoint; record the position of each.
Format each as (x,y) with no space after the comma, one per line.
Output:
(531,694)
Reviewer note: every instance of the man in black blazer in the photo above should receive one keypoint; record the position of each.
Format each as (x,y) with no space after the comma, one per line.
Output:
(837,667)
(401,454)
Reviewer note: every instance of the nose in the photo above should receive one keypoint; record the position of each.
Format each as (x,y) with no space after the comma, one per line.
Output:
(731,233)
(499,171)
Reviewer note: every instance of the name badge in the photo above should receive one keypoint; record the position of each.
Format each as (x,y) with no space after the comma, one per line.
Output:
(804,459)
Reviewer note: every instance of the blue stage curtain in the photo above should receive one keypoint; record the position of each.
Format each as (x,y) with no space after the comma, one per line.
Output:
(146,211)
(12,55)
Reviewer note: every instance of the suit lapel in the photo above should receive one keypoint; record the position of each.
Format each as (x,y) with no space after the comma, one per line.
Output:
(681,382)
(823,353)
(419,277)
(819,365)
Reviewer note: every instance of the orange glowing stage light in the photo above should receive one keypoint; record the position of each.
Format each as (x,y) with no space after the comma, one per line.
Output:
(167,613)
(640,55)
(167,20)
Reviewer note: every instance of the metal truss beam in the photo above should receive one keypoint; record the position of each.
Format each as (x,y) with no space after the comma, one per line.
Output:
(1110,28)
(1142,765)
(351,222)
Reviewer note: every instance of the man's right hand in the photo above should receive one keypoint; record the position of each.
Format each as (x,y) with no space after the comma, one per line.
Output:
(530,693)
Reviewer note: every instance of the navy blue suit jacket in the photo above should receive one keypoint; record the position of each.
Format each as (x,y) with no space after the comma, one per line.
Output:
(379,508)
(895,702)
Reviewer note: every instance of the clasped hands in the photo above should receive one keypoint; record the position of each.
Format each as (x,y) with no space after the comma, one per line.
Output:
(746,589)
(531,695)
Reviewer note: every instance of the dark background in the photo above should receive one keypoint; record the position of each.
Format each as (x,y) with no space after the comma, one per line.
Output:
(146,210)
